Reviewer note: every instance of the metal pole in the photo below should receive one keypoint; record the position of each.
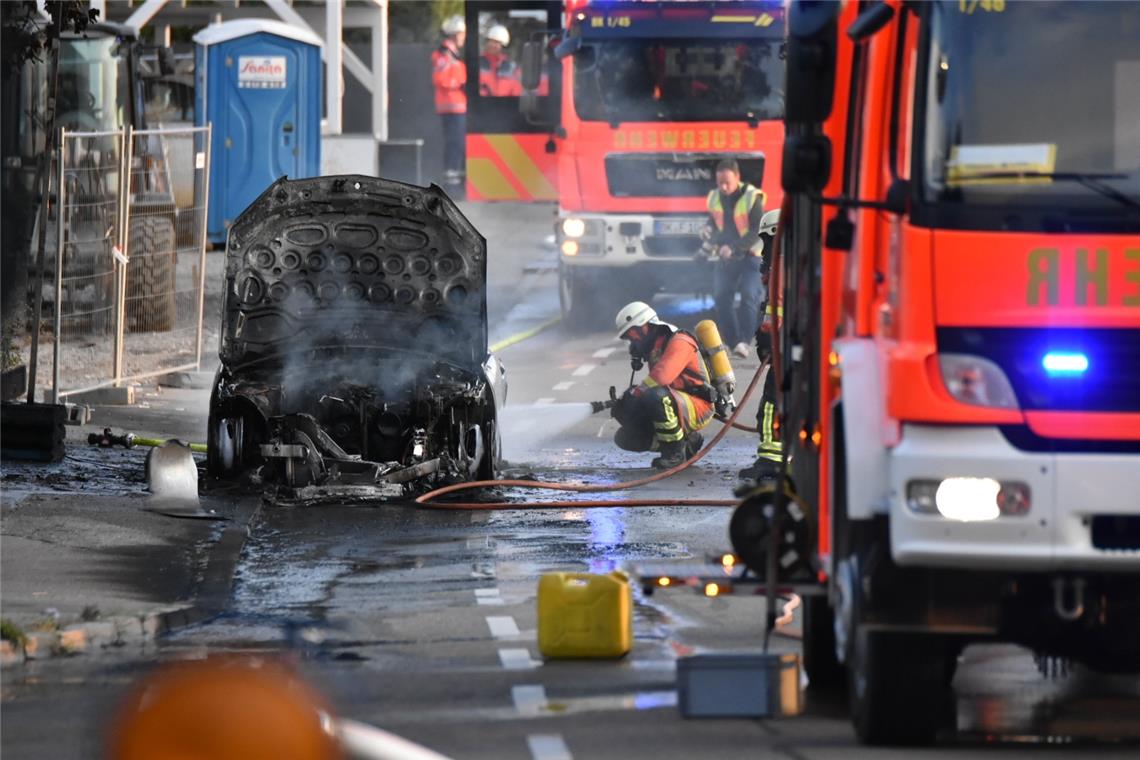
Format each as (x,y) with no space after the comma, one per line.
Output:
(57,322)
(126,153)
(380,72)
(334,69)
(202,244)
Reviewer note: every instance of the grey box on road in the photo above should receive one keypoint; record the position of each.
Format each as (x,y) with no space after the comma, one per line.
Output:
(738,685)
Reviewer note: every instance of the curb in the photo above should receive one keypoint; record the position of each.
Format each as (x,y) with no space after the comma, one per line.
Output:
(210,599)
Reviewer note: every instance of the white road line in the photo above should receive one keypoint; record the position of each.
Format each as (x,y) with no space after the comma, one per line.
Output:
(548,747)
(563,386)
(503,627)
(529,699)
(517,659)
(544,401)
(602,353)
(584,370)
(488,596)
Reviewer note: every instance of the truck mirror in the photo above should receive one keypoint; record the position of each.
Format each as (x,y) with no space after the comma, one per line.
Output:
(870,21)
(531,65)
(529,106)
(813,31)
(898,196)
(568,47)
(807,163)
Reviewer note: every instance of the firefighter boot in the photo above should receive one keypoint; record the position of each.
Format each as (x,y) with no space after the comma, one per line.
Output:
(693,443)
(672,454)
(760,470)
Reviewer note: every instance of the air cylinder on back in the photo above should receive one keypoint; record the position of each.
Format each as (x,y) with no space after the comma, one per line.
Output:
(716,352)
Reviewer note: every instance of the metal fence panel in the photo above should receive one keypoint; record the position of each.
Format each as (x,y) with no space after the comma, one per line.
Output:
(86,234)
(165,246)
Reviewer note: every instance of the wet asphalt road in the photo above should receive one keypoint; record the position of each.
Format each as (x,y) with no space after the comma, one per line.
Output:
(423,622)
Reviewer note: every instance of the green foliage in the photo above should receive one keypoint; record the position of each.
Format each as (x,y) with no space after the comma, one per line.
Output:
(418,21)
(9,631)
(26,36)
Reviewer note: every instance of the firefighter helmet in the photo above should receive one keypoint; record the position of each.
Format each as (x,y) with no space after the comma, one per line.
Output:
(635,314)
(453,26)
(498,33)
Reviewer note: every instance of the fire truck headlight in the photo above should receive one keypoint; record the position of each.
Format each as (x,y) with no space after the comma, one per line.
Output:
(968,499)
(977,381)
(573,227)
(569,247)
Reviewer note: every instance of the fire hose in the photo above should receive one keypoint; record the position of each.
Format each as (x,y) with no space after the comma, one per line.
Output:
(428,499)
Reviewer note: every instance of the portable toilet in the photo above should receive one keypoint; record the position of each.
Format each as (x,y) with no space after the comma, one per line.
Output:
(259,84)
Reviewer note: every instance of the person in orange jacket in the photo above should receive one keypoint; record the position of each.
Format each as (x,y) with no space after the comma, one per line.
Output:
(498,75)
(449,78)
(667,409)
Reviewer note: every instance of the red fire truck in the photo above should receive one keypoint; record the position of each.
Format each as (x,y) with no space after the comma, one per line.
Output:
(628,106)
(961,351)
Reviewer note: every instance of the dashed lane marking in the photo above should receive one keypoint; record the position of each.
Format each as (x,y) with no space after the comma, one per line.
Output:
(517,659)
(529,699)
(488,596)
(503,627)
(602,353)
(546,401)
(584,370)
(548,747)
(565,385)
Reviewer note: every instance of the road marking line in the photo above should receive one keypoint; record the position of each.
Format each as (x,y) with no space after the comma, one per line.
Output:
(488,596)
(517,659)
(584,370)
(529,699)
(548,747)
(602,353)
(503,627)
(546,401)
(563,386)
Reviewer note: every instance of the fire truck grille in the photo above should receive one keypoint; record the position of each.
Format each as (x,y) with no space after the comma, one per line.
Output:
(1108,383)
(678,246)
(1118,532)
(669,175)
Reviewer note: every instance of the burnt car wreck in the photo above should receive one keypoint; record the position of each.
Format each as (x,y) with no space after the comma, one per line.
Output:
(354,359)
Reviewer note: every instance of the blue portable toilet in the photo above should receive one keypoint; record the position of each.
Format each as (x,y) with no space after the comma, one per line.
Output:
(259,83)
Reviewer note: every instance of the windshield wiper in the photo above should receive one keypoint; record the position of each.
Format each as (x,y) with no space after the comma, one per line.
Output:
(1092,181)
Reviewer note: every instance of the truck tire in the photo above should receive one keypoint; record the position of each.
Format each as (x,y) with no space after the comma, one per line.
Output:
(821,662)
(897,688)
(151,300)
(577,301)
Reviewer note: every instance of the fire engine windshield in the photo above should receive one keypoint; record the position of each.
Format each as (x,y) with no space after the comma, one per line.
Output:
(1032,102)
(679,80)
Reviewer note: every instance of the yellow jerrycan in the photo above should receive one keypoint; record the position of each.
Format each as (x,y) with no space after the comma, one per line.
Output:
(585,615)
(716,355)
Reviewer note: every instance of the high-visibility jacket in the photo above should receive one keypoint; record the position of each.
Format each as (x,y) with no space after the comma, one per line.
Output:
(740,211)
(449,77)
(675,362)
(499,76)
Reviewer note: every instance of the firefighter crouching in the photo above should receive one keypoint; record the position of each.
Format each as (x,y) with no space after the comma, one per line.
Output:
(667,409)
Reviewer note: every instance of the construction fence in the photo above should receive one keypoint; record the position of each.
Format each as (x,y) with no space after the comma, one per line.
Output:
(130,253)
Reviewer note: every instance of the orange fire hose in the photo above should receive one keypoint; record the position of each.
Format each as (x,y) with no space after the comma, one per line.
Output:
(426,500)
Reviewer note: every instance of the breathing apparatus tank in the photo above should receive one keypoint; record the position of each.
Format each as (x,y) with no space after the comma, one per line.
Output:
(720,368)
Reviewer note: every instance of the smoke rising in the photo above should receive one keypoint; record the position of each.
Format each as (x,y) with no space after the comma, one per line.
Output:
(526,429)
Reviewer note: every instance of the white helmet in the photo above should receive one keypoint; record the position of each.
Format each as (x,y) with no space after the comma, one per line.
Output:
(499,34)
(633,315)
(453,26)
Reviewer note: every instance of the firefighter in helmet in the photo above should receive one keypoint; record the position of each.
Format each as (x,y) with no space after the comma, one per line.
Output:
(498,75)
(667,409)
(449,78)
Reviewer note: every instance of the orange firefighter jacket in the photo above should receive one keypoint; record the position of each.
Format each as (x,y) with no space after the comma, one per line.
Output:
(499,76)
(676,363)
(449,77)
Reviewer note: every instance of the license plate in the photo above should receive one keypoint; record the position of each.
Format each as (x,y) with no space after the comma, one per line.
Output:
(678,226)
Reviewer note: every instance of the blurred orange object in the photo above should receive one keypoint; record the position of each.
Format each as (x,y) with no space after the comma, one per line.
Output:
(222,708)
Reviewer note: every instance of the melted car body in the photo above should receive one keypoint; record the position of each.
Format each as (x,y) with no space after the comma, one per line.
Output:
(354,357)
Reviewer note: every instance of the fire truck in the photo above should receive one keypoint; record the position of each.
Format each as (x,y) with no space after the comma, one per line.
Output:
(960,356)
(626,108)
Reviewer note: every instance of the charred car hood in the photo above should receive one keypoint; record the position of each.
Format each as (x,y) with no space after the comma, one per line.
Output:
(353,265)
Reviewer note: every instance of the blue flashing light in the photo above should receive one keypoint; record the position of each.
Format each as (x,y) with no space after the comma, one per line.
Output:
(1065,363)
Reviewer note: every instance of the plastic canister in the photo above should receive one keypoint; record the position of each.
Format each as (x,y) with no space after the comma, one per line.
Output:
(585,615)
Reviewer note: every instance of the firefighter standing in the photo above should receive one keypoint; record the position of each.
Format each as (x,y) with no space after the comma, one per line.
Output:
(735,210)
(449,78)
(498,74)
(770,451)
(667,409)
